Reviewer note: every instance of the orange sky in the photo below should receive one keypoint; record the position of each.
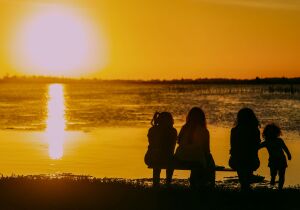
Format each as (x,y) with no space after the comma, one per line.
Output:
(168,39)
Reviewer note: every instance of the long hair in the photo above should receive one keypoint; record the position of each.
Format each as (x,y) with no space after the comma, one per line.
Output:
(196,117)
(162,119)
(246,116)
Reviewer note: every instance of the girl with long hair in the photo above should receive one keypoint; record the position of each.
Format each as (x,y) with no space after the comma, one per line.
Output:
(162,137)
(194,148)
(245,142)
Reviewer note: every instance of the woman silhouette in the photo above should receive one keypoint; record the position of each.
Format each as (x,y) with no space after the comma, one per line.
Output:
(245,142)
(194,148)
(162,137)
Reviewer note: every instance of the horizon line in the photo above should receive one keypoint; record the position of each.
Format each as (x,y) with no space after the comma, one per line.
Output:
(8,76)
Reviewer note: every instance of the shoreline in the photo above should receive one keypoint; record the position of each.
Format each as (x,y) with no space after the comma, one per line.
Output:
(183,81)
(229,183)
(103,153)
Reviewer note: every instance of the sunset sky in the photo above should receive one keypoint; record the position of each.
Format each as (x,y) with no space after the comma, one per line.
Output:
(150,39)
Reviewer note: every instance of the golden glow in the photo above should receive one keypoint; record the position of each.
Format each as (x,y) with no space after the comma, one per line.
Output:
(57,41)
(55,131)
(195,38)
(103,152)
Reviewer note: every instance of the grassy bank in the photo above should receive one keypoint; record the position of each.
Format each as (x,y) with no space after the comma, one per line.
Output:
(82,192)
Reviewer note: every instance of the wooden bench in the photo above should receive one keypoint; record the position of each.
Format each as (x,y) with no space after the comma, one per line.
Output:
(211,173)
(177,164)
(254,178)
(182,167)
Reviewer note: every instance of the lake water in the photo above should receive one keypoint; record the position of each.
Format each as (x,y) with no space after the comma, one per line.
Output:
(100,129)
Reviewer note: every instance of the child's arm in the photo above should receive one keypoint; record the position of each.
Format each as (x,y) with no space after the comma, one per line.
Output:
(287,151)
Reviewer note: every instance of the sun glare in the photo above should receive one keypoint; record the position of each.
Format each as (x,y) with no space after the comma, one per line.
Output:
(58,41)
(55,131)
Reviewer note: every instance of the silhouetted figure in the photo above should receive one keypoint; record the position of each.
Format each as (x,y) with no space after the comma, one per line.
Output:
(245,142)
(162,137)
(194,149)
(276,148)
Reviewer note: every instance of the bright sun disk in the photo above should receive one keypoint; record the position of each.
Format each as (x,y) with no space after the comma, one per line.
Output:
(58,41)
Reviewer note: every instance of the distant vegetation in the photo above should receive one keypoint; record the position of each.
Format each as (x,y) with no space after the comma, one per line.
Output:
(84,192)
(44,79)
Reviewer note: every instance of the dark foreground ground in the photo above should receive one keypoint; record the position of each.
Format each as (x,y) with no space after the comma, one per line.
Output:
(81,192)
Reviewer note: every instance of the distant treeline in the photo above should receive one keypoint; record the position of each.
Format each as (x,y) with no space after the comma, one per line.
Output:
(46,79)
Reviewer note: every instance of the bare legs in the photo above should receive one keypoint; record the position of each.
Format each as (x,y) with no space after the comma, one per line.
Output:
(156,176)
(281,172)
(169,175)
(245,179)
(281,178)
(202,179)
(194,178)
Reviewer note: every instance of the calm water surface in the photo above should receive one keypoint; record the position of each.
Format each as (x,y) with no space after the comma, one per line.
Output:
(100,129)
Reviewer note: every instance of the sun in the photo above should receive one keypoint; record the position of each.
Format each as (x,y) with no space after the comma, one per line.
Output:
(58,41)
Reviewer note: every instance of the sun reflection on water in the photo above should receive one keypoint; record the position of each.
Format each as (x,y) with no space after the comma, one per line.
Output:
(55,125)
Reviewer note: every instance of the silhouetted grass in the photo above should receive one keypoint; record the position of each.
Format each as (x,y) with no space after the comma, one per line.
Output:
(84,192)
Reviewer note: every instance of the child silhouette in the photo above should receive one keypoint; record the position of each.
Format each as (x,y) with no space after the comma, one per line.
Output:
(162,137)
(276,148)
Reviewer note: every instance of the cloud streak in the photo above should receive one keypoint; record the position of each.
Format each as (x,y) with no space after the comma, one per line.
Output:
(264,4)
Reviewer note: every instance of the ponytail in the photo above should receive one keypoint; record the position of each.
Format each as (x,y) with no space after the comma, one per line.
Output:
(154,121)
